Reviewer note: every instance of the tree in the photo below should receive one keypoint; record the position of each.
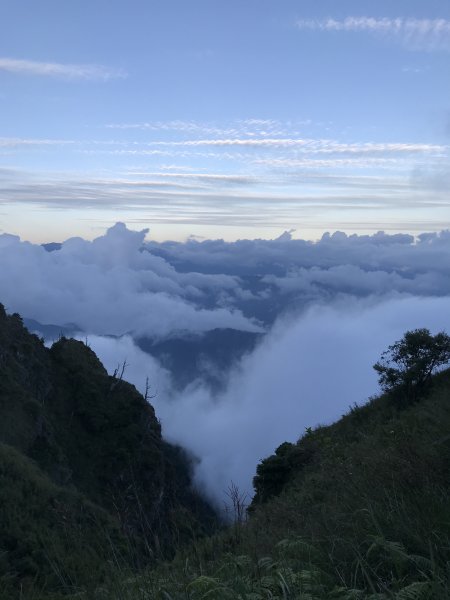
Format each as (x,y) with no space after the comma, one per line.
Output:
(409,363)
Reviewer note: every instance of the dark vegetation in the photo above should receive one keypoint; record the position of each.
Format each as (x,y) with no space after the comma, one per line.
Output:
(86,478)
(405,369)
(357,510)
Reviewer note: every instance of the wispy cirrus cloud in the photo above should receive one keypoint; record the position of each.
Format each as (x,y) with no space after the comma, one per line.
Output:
(157,189)
(89,72)
(309,145)
(311,163)
(20,142)
(299,198)
(264,142)
(375,148)
(415,34)
(214,178)
(247,127)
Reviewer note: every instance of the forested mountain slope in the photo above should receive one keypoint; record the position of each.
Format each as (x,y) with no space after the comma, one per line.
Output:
(93,502)
(356,510)
(85,475)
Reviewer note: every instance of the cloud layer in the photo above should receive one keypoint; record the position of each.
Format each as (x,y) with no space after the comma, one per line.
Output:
(308,371)
(109,286)
(407,264)
(329,308)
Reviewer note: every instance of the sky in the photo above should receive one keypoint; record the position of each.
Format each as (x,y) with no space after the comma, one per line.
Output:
(237,119)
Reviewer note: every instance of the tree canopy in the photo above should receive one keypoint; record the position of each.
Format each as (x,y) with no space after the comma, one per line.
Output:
(409,363)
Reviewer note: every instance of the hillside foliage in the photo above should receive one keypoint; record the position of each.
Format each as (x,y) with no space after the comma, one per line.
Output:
(356,510)
(86,477)
(406,367)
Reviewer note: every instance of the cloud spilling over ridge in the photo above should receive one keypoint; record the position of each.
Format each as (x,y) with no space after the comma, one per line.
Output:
(111,286)
(307,371)
(333,306)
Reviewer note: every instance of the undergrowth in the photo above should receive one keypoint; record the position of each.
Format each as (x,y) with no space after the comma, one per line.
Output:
(365,517)
(358,510)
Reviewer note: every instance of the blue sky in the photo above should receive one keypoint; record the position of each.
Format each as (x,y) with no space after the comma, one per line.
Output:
(224,119)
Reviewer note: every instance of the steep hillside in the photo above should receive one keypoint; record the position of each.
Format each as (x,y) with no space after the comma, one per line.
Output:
(82,463)
(51,536)
(357,510)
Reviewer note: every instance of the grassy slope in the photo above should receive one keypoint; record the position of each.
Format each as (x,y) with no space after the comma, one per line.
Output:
(356,510)
(51,537)
(85,476)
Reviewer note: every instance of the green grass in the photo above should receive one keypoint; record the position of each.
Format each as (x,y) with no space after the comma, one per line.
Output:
(363,513)
(358,510)
(51,537)
(88,488)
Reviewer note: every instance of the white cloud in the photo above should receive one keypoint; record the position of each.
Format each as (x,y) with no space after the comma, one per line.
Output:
(294,191)
(18,142)
(312,146)
(372,148)
(342,301)
(415,34)
(337,262)
(308,371)
(265,142)
(201,177)
(249,127)
(60,70)
(314,163)
(109,286)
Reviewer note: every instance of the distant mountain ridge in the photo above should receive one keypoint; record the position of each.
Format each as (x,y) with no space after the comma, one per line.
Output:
(208,355)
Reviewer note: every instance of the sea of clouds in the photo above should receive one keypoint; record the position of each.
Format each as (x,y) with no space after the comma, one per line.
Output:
(327,309)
